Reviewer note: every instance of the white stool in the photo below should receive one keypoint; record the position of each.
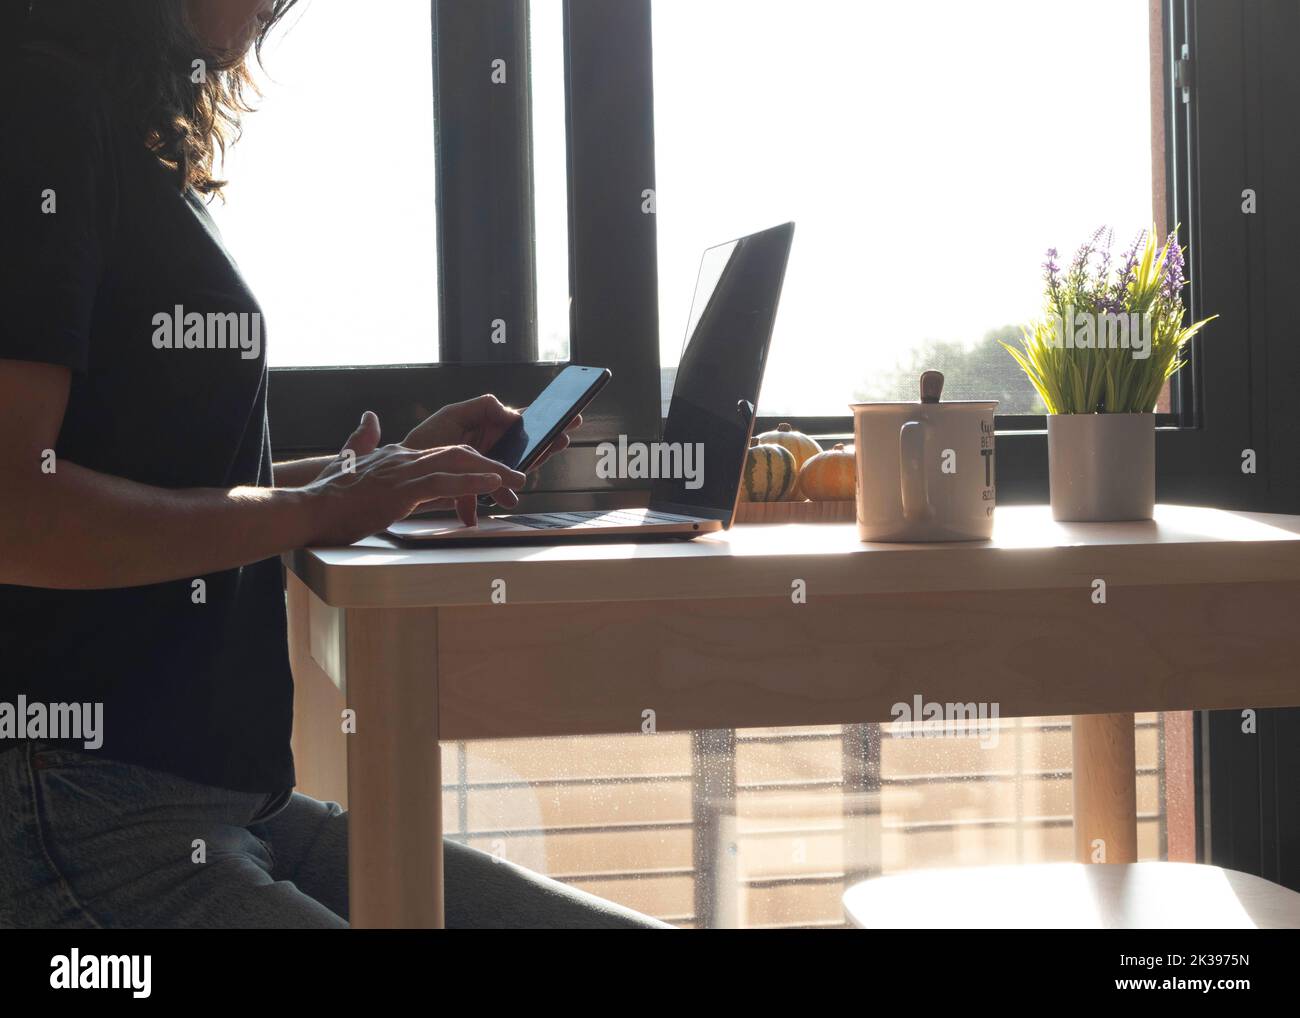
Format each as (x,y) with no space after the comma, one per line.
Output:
(1144,895)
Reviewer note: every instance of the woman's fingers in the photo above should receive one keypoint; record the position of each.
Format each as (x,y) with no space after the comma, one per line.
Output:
(559,445)
(503,497)
(457,486)
(485,419)
(455,477)
(365,439)
(430,506)
(467,510)
(460,459)
(391,482)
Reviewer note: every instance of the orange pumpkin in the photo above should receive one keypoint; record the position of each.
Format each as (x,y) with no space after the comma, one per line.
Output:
(831,476)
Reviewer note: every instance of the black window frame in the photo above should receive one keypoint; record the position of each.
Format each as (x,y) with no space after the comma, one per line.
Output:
(486,246)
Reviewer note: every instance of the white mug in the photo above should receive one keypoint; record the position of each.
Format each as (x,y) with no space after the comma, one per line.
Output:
(925,470)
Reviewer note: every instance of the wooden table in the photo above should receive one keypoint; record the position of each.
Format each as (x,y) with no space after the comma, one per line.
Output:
(1200,611)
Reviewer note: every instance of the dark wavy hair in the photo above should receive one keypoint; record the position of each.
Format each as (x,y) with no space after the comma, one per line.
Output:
(142,53)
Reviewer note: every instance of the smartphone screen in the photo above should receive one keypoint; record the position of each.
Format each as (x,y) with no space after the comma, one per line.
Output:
(545,418)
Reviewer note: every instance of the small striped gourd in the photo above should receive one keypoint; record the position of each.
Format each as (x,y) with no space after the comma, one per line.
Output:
(770,474)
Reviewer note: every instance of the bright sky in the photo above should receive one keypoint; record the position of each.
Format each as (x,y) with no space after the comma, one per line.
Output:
(330,209)
(929,153)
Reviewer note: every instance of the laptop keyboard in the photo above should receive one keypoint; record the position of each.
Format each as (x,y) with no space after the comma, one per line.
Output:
(598,518)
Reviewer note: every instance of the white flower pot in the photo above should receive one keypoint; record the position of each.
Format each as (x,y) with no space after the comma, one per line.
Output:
(1102,467)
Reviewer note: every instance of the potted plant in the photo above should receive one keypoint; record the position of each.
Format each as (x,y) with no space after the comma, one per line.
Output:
(1099,356)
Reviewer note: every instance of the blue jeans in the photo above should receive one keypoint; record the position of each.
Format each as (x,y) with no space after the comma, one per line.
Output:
(87,842)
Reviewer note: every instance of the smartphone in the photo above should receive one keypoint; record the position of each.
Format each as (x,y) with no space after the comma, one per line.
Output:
(546,417)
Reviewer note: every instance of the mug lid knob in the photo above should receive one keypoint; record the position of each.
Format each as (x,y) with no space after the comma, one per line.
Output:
(931,386)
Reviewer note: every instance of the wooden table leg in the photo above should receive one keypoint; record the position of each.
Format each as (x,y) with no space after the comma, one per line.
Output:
(320,749)
(1105,788)
(394,769)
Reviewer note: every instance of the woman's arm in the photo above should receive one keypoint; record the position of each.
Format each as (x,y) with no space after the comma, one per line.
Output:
(478,423)
(74,528)
(299,473)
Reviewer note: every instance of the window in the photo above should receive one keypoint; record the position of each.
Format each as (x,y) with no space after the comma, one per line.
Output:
(550,177)
(330,207)
(768,827)
(922,221)
(929,154)
(512,139)
(765,827)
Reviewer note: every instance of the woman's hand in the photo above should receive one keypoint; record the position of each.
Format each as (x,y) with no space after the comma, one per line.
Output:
(479,423)
(368,487)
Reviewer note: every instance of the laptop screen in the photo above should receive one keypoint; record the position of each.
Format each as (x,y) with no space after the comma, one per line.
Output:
(720,373)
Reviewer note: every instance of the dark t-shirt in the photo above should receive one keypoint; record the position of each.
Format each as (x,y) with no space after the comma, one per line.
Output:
(202,690)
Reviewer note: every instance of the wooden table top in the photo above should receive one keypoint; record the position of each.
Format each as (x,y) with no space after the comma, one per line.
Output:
(1182,544)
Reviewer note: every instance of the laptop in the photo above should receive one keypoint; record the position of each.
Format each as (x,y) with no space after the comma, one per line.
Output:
(697,467)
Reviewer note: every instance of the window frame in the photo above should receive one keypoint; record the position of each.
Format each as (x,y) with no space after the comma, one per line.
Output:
(484,162)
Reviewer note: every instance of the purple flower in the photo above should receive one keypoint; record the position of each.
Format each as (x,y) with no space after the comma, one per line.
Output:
(1051,273)
(1085,249)
(1102,297)
(1111,301)
(1103,262)
(1172,284)
(1128,270)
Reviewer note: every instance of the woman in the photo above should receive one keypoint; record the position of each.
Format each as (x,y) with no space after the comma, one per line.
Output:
(141,513)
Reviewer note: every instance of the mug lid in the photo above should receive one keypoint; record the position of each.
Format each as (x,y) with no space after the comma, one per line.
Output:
(931,391)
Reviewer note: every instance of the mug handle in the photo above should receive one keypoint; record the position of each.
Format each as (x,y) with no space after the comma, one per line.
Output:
(911,471)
